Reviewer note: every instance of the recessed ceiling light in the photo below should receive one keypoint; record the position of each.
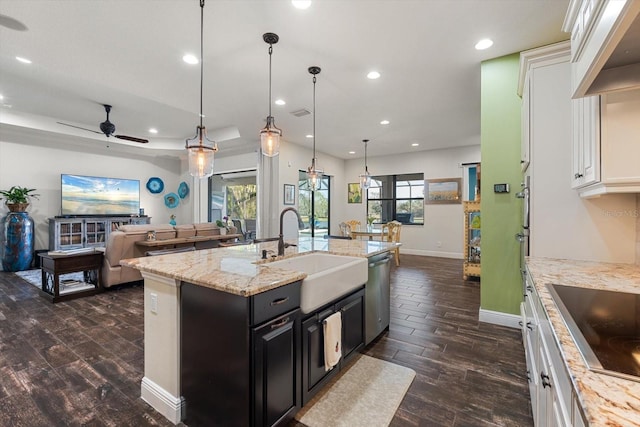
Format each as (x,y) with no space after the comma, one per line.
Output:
(309,136)
(1,97)
(23,60)
(373,75)
(153,130)
(280,102)
(484,44)
(190,59)
(384,122)
(415,144)
(352,152)
(301,4)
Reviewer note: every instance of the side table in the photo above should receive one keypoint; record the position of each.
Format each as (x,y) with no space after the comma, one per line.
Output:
(54,265)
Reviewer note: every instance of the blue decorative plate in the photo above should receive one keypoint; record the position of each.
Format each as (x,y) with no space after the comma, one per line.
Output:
(183,190)
(155,185)
(171,200)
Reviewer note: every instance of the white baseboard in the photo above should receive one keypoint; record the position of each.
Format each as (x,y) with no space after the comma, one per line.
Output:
(170,406)
(499,318)
(438,254)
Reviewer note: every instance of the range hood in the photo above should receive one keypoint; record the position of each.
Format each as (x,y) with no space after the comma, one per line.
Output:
(605,45)
(622,69)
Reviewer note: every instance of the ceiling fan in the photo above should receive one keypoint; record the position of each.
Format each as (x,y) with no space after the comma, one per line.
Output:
(107,128)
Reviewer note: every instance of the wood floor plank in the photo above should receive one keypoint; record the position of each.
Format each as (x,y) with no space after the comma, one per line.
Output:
(81,362)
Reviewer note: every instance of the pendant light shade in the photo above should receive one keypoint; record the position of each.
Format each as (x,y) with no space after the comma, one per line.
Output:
(201,153)
(200,156)
(365,178)
(314,175)
(270,134)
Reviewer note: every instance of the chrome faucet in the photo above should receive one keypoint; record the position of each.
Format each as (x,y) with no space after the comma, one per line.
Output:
(281,244)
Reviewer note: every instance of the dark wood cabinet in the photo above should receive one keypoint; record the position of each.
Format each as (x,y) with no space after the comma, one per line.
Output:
(314,376)
(276,370)
(313,371)
(253,361)
(240,357)
(352,309)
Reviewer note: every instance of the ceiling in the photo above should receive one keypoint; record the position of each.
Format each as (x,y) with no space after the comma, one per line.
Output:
(128,53)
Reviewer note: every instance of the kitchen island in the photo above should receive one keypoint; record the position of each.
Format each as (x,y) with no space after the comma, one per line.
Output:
(236,271)
(600,399)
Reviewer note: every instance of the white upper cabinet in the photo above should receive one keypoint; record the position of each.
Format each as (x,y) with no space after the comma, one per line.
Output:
(585,139)
(604,39)
(525,139)
(538,92)
(615,155)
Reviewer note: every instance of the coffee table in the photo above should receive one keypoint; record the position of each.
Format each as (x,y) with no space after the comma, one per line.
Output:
(60,290)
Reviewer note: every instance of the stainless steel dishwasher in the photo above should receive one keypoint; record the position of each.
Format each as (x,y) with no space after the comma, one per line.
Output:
(377,296)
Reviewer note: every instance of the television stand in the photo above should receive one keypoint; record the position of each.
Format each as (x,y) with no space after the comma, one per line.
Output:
(89,231)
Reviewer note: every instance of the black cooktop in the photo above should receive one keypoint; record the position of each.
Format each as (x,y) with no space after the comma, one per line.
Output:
(605,326)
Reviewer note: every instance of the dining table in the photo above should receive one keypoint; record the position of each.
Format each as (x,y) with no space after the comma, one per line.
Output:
(377,233)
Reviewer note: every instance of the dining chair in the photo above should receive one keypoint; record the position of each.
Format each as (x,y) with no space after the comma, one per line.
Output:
(345,230)
(391,233)
(238,224)
(250,225)
(353,225)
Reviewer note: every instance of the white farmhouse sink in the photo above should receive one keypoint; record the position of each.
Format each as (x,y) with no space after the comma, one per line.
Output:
(328,276)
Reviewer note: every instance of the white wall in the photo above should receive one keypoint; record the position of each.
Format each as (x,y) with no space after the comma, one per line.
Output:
(442,232)
(40,167)
(563,225)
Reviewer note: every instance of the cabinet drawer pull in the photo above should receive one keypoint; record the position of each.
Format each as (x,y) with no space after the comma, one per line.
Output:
(279,301)
(280,323)
(545,380)
(529,327)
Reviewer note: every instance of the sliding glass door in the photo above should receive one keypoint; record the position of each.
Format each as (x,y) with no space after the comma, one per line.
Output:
(314,206)
(234,195)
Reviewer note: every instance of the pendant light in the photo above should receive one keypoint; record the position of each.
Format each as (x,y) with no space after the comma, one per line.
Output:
(365,178)
(314,175)
(270,135)
(201,154)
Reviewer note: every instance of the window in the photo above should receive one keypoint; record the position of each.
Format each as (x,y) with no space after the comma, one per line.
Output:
(313,206)
(396,197)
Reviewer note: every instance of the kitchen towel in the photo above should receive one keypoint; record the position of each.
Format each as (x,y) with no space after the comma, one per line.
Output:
(332,327)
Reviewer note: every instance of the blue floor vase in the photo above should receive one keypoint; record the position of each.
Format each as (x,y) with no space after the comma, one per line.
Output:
(16,241)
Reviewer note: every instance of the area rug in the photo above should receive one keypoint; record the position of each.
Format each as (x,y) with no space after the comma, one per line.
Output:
(367,394)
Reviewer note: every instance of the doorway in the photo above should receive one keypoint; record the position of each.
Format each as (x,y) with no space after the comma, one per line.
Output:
(314,206)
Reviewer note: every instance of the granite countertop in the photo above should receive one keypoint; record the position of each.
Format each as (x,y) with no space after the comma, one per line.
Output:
(606,400)
(240,269)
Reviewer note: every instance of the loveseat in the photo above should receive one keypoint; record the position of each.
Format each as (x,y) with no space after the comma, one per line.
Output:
(122,245)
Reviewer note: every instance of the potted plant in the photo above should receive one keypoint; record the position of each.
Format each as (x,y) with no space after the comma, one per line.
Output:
(370,220)
(17,198)
(17,229)
(222,225)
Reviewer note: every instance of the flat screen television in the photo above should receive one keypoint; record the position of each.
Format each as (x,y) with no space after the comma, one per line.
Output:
(93,195)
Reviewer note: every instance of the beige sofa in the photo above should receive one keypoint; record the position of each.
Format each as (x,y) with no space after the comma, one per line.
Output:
(122,245)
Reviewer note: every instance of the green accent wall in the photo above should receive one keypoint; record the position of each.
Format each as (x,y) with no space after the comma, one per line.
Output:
(501,285)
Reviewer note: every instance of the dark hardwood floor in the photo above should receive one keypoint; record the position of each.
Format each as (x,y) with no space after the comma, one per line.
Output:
(81,362)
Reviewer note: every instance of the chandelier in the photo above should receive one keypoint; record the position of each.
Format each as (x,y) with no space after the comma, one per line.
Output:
(365,178)
(314,175)
(201,154)
(270,134)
